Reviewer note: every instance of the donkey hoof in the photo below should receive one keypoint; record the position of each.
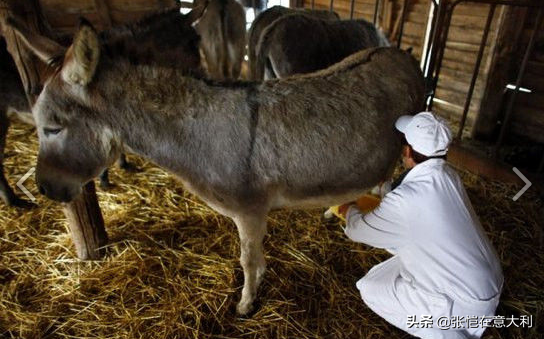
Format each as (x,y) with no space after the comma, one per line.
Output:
(106,185)
(20,203)
(130,167)
(244,308)
(329,214)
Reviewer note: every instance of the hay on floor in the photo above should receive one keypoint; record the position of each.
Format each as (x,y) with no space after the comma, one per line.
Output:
(172,266)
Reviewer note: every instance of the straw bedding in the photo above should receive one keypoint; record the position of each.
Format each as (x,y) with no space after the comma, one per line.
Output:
(172,268)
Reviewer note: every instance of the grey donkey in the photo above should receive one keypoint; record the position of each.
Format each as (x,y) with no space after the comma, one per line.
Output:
(244,148)
(318,44)
(266,18)
(222,29)
(165,38)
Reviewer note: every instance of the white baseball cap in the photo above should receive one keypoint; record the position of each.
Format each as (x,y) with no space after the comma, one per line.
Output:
(426,133)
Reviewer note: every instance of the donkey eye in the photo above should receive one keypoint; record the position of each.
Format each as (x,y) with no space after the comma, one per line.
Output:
(51,131)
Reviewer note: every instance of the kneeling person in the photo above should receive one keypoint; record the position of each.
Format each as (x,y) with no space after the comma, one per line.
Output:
(443,265)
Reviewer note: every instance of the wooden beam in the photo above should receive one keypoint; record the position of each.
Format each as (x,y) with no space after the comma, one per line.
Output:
(87,225)
(464,159)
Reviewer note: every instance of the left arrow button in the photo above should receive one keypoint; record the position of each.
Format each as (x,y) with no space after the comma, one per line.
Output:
(23,188)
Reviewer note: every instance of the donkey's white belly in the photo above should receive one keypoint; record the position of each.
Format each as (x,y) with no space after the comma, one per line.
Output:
(284,201)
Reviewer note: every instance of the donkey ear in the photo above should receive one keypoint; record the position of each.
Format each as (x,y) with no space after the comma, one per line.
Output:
(45,49)
(82,57)
(199,8)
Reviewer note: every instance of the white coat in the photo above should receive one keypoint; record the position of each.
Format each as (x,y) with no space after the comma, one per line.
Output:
(443,265)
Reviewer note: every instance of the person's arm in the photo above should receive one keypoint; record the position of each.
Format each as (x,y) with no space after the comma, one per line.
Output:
(385,227)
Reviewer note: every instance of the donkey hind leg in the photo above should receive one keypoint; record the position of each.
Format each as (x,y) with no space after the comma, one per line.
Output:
(212,55)
(269,70)
(105,180)
(6,193)
(124,164)
(235,56)
(252,230)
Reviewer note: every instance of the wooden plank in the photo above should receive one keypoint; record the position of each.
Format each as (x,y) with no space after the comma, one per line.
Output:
(133,5)
(470,21)
(530,117)
(461,86)
(534,83)
(72,6)
(122,17)
(468,58)
(417,17)
(461,75)
(103,12)
(455,64)
(140,5)
(466,35)
(69,21)
(464,159)
(462,46)
(536,68)
(472,9)
(531,100)
(449,111)
(454,97)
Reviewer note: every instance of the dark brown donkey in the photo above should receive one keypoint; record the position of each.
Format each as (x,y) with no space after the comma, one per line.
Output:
(266,18)
(245,148)
(166,38)
(12,101)
(318,44)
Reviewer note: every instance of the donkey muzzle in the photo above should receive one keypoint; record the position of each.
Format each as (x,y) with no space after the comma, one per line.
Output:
(61,192)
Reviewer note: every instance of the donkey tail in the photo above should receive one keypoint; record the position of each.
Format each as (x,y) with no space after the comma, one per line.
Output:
(262,50)
(223,66)
(382,39)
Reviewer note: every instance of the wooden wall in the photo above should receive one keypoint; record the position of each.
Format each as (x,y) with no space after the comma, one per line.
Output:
(64,15)
(462,46)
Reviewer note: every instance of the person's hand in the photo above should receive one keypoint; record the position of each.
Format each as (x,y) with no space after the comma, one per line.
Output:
(343,209)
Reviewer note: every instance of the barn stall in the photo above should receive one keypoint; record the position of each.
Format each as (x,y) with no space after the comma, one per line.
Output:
(171,264)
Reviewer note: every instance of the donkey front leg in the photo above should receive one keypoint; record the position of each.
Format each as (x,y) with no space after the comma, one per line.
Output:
(252,230)
(124,164)
(6,193)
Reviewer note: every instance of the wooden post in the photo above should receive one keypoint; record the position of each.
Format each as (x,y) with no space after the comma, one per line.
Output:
(83,214)
(86,224)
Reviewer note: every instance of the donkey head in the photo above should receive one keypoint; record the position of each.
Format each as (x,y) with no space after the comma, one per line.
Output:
(73,147)
(75,144)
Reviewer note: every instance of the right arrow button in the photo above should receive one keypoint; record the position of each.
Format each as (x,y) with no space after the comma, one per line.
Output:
(525,180)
